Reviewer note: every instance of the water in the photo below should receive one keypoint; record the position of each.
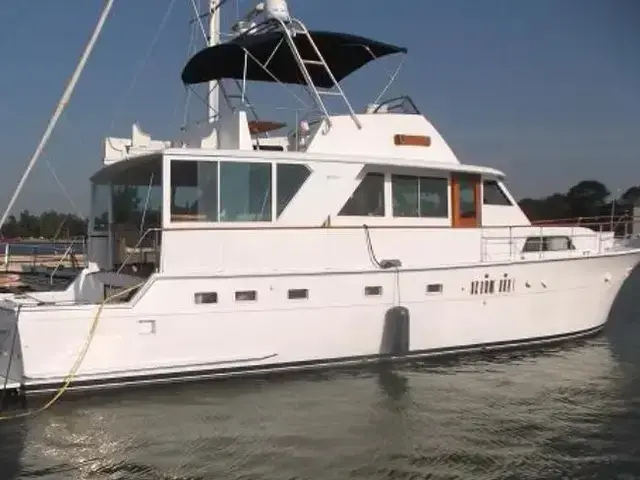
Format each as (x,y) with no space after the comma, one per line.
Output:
(570,412)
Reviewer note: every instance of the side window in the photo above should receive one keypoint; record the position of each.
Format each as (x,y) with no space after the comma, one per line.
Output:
(493,194)
(548,244)
(420,196)
(368,198)
(194,191)
(289,179)
(245,192)
(434,197)
(405,196)
(101,197)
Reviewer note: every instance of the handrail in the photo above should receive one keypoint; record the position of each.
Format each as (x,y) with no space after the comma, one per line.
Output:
(596,218)
(603,238)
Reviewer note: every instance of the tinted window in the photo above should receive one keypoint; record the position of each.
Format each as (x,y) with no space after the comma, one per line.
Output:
(194,191)
(245,192)
(419,196)
(289,178)
(493,195)
(548,244)
(368,198)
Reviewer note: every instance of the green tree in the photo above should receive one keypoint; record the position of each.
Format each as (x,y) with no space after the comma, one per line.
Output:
(587,198)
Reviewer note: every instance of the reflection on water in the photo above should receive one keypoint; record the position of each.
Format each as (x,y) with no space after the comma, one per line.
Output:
(562,412)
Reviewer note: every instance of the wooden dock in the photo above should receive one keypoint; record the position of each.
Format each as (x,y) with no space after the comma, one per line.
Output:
(37,272)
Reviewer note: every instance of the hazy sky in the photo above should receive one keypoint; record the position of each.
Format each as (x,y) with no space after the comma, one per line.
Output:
(546,90)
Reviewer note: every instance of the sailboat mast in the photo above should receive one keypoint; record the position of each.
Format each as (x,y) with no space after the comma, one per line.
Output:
(59,107)
(214,39)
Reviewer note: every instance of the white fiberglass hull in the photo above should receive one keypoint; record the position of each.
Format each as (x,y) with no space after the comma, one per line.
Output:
(166,337)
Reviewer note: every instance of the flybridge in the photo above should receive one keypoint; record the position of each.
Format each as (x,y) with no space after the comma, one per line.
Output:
(269,45)
(281,50)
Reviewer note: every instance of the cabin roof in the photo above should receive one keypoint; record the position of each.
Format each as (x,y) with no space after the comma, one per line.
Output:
(136,169)
(301,157)
(343,53)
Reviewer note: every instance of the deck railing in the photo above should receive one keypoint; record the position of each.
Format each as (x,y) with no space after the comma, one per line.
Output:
(45,263)
(606,234)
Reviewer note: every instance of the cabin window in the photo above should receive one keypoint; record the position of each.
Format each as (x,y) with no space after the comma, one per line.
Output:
(368,198)
(420,196)
(100,207)
(289,179)
(548,244)
(298,294)
(205,297)
(434,288)
(493,194)
(133,192)
(194,191)
(245,192)
(373,291)
(246,296)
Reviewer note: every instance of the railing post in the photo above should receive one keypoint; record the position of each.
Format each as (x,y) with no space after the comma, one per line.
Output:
(510,243)
(626,229)
(540,243)
(156,250)
(297,134)
(600,239)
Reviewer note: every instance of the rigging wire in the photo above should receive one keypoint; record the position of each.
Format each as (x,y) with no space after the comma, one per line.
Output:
(64,190)
(185,97)
(59,108)
(142,64)
(198,18)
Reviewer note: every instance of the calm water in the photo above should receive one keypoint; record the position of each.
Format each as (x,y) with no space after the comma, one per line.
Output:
(569,412)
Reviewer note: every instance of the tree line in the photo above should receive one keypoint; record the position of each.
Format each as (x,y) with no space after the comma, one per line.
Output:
(588,198)
(50,225)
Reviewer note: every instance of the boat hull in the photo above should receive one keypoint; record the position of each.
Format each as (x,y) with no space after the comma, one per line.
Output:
(165,337)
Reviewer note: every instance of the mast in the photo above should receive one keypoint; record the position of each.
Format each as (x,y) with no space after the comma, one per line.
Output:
(214,39)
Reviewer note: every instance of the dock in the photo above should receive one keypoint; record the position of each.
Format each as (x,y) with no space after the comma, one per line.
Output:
(23,272)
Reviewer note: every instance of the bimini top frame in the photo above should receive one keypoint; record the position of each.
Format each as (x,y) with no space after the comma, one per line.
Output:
(343,54)
(284,51)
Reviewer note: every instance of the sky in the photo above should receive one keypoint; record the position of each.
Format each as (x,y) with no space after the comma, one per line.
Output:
(547,91)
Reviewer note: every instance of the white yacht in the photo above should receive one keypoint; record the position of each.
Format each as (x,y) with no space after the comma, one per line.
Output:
(357,236)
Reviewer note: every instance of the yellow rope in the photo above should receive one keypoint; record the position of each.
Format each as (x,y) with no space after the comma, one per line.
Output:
(74,369)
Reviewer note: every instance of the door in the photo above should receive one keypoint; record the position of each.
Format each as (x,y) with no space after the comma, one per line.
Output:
(465,200)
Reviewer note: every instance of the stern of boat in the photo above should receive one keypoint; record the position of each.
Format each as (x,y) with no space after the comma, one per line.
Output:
(11,372)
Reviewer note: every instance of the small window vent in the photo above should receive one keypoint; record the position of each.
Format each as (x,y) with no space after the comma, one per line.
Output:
(298,294)
(246,296)
(373,291)
(205,297)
